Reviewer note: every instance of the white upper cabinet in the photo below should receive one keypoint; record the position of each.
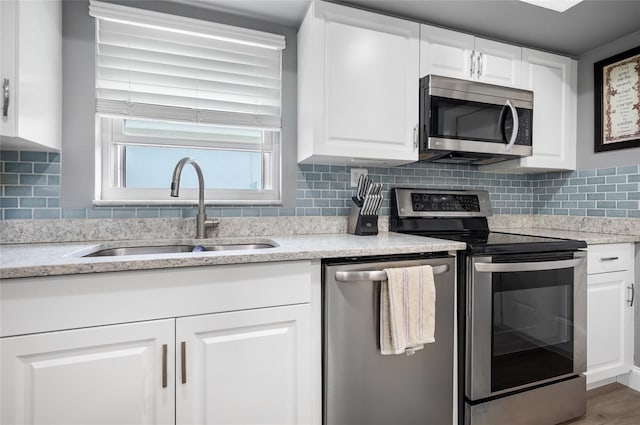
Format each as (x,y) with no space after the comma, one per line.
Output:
(358,79)
(458,55)
(31,74)
(553,80)
(498,63)
(445,52)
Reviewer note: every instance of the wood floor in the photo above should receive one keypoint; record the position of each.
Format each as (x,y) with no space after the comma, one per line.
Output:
(613,404)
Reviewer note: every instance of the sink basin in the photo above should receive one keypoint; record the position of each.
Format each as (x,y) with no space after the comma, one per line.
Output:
(169,249)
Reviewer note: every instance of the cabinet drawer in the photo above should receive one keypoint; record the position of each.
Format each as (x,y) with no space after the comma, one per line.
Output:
(42,304)
(609,258)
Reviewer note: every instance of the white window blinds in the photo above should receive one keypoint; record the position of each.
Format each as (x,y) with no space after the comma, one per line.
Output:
(153,65)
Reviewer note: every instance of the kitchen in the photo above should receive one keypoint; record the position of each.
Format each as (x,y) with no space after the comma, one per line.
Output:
(49,197)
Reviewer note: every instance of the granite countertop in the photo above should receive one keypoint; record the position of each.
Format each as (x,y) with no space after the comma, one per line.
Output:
(29,260)
(591,238)
(327,240)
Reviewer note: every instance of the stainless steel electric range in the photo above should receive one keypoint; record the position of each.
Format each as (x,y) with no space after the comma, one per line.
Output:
(521,317)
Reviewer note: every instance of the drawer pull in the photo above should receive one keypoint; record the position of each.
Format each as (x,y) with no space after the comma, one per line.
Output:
(609,258)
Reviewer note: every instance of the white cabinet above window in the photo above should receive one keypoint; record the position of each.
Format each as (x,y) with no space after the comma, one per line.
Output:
(358,78)
(31,74)
(459,55)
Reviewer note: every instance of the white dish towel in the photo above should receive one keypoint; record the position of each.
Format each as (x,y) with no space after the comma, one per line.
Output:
(407,309)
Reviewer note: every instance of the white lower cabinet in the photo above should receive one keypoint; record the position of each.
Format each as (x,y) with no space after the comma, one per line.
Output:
(244,367)
(107,374)
(253,360)
(609,312)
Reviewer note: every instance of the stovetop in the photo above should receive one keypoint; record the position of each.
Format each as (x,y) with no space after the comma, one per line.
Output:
(500,242)
(461,215)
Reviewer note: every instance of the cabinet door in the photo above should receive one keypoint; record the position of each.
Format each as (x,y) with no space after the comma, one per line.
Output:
(498,63)
(552,78)
(8,68)
(609,325)
(458,55)
(445,52)
(365,87)
(102,375)
(245,367)
(31,61)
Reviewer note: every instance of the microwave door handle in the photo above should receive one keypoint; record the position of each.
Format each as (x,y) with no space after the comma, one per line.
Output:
(502,122)
(516,124)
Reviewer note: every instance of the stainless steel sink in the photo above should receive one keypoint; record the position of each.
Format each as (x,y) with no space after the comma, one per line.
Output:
(169,249)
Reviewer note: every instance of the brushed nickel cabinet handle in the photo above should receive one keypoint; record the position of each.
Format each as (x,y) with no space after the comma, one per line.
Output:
(609,258)
(633,294)
(5,97)
(472,64)
(183,361)
(164,365)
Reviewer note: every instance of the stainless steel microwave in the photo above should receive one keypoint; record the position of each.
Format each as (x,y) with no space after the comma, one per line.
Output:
(474,123)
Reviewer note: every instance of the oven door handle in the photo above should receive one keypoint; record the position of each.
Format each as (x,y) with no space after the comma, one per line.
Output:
(378,274)
(527,267)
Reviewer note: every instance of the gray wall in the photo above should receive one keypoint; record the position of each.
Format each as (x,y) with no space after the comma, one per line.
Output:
(636,310)
(78,106)
(587,158)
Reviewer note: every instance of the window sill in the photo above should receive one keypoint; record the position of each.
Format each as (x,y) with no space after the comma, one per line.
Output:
(181,203)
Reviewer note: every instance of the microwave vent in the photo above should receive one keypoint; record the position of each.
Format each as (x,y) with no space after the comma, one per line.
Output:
(467,158)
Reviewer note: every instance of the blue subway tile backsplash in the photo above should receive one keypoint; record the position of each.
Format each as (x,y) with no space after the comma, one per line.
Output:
(610,192)
(30,189)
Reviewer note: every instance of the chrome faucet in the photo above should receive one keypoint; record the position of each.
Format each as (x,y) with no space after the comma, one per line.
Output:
(201,219)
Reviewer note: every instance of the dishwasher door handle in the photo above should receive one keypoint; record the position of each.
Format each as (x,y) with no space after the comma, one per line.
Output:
(378,274)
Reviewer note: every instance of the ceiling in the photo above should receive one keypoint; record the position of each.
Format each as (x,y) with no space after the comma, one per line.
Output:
(584,27)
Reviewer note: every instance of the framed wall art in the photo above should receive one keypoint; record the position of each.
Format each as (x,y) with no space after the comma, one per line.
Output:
(617,101)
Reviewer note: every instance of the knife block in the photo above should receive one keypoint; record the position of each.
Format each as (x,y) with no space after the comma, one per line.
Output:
(359,224)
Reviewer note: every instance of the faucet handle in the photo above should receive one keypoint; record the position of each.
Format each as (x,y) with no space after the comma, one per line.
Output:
(202,224)
(210,223)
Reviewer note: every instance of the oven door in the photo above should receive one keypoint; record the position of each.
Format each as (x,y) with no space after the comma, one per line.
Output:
(526,321)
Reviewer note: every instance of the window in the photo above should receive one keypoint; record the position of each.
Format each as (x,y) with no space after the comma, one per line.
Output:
(169,87)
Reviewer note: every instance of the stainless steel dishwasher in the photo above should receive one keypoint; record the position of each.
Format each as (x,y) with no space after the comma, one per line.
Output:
(360,385)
